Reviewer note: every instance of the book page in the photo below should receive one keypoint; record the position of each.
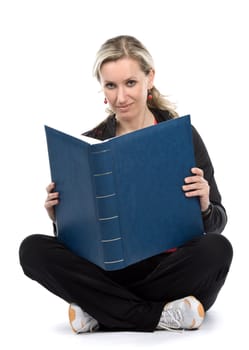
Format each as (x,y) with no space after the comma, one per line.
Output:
(88,139)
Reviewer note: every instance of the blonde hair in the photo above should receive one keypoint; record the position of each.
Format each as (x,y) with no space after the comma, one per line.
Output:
(128,46)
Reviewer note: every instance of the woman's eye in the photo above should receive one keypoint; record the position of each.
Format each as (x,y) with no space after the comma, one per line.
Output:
(131,83)
(110,86)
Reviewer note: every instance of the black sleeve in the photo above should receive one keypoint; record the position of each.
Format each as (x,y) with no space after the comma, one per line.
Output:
(54,230)
(216,221)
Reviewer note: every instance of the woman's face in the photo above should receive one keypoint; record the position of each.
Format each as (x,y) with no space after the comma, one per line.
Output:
(125,87)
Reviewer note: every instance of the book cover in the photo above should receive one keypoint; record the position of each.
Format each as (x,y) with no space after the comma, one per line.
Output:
(121,200)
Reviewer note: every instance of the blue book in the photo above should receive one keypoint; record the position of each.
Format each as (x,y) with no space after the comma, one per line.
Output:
(121,200)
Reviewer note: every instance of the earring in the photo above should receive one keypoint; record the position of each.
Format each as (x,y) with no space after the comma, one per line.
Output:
(149,96)
(105,101)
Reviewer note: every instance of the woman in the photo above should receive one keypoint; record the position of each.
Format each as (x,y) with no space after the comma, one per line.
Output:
(172,290)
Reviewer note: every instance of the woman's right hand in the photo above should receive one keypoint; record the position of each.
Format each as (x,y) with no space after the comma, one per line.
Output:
(51,200)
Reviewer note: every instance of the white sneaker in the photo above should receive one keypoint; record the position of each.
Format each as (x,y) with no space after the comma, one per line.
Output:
(186,313)
(80,321)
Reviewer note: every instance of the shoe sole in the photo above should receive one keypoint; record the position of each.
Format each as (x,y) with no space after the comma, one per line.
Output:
(72,317)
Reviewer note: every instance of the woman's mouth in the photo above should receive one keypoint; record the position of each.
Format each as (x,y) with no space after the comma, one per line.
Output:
(123,108)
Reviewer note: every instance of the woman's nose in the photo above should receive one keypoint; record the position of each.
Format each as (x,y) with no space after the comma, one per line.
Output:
(121,96)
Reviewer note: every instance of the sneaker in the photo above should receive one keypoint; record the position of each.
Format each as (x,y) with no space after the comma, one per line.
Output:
(186,313)
(80,321)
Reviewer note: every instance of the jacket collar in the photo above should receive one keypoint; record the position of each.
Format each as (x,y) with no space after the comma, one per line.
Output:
(107,129)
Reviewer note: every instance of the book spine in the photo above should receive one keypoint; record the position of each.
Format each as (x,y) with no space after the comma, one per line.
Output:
(107,206)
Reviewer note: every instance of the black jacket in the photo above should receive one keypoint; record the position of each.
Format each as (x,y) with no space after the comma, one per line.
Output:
(217,218)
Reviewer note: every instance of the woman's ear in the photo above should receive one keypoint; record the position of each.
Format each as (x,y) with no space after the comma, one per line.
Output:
(151,77)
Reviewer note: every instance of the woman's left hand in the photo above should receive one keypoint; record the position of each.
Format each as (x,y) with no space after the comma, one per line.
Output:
(197,185)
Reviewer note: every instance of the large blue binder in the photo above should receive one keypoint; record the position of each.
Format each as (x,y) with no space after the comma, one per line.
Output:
(121,200)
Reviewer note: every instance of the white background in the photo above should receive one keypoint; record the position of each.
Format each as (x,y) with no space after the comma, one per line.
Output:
(47,49)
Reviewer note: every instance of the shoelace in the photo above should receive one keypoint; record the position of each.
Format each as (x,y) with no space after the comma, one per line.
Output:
(171,320)
(90,326)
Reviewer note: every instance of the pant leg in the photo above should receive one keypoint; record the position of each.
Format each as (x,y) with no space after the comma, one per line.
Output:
(198,268)
(46,260)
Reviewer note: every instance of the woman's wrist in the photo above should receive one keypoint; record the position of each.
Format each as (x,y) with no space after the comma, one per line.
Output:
(205,213)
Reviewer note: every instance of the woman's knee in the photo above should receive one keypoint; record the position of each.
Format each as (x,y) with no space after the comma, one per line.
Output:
(217,252)
(32,249)
(211,252)
(219,248)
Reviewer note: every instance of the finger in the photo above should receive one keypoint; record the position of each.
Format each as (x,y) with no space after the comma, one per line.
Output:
(51,203)
(194,186)
(197,171)
(196,193)
(194,179)
(50,187)
(52,195)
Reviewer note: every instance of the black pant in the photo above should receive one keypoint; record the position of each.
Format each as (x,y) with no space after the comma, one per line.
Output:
(131,298)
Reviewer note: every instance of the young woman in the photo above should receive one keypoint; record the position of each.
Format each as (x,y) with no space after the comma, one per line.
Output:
(171,290)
